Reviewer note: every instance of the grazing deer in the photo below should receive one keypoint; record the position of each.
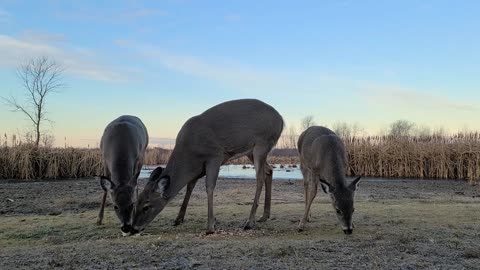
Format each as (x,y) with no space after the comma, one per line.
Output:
(123,146)
(323,160)
(245,127)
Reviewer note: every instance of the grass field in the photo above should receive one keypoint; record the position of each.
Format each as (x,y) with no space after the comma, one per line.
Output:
(400,224)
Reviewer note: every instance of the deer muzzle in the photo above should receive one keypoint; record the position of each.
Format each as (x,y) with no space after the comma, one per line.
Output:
(126,228)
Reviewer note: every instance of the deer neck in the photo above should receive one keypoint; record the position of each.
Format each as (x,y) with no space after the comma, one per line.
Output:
(182,169)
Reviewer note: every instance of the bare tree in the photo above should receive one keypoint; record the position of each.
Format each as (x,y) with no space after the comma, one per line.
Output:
(289,138)
(307,122)
(346,130)
(401,128)
(422,131)
(342,129)
(48,140)
(5,141)
(439,132)
(39,77)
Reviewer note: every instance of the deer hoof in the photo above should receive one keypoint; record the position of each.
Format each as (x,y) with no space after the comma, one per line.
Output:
(99,222)
(211,226)
(263,219)
(178,222)
(247,227)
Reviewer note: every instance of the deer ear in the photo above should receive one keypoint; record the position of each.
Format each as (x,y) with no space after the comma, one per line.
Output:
(134,180)
(162,186)
(156,173)
(106,183)
(327,188)
(354,185)
(324,188)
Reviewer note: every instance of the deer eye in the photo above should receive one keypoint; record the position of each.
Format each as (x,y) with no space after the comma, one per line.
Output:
(339,212)
(115,207)
(146,208)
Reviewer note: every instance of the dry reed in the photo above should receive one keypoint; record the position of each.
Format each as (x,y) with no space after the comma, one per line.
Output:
(455,157)
(29,162)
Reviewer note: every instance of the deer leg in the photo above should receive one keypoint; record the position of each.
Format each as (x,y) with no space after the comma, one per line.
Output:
(306,177)
(102,209)
(260,157)
(306,197)
(106,172)
(310,192)
(212,170)
(137,172)
(268,190)
(313,194)
(183,209)
(268,193)
(313,191)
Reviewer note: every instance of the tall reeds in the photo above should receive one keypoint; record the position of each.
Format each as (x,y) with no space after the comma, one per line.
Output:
(436,157)
(29,162)
(455,157)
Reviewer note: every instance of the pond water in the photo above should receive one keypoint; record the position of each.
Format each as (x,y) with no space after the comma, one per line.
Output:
(244,172)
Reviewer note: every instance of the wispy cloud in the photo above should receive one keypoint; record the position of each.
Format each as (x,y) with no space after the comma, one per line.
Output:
(232,18)
(198,67)
(5,16)
(408,99)
(141,13)
(313,83)
(238,76)
(45,37)
(77,61)
(110,16)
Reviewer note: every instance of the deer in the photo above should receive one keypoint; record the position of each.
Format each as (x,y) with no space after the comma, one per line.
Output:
(123,145)
(236,128)
(323,161)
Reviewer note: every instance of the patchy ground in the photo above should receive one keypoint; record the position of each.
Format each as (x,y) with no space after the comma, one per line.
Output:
(399,225)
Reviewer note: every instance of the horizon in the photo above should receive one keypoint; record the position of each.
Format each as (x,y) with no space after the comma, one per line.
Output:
(339,61)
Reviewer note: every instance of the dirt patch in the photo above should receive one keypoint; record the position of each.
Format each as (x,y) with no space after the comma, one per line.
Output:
(400,224)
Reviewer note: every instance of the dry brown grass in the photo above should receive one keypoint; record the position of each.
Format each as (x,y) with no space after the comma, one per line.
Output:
(435,157)
(29,162)
(157,156)
(455,157)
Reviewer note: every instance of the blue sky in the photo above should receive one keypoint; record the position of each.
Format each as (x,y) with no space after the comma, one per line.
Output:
(365,62)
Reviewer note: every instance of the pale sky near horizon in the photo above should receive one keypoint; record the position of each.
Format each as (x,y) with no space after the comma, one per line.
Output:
(365,62)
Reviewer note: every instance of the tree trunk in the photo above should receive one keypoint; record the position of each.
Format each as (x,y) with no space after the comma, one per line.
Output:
(37,140)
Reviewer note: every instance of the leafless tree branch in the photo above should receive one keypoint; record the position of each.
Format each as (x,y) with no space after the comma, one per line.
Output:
(307,122)
(39,77)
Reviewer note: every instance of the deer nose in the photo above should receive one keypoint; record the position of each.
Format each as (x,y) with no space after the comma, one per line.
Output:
(349,231)
(126,228)
(134,230)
